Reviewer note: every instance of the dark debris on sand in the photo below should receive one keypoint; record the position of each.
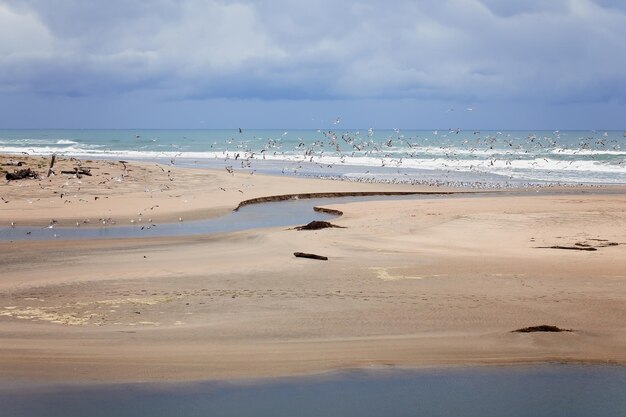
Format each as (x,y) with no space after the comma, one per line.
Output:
(584,246)
(543,328)
(310,256)
(21,174)
(317,225)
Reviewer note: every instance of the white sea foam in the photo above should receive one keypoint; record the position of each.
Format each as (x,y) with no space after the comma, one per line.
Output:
(614,152)
(28,141)
(510,164)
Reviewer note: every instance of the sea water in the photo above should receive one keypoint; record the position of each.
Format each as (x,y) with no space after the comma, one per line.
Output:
(446,156)
(514,391)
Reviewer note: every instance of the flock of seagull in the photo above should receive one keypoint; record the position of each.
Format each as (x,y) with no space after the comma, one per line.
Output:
(474,152)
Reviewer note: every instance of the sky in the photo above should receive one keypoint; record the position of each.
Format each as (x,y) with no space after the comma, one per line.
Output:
(489,64)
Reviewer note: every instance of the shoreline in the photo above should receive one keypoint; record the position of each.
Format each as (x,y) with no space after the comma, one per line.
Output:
(408,282)
(126,193)
(18,383)
(488,156)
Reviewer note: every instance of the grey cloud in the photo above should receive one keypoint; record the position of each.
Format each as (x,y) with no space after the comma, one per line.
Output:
(513,8)
(455,49)
(71,18)
(619,5)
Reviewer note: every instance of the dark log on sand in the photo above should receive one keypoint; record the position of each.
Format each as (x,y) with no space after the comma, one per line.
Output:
(310,256)
(601,243)
(586,248)
(13,164)
(317,225)
(607,244)
(21,174)
(78,172)
(542,328)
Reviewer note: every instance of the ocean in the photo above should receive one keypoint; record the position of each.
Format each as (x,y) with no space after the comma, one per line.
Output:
(449,157)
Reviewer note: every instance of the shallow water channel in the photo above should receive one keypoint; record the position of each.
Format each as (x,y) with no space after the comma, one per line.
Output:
(505,391)
(271,214)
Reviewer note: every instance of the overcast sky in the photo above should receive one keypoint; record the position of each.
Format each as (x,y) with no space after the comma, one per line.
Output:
(555,64)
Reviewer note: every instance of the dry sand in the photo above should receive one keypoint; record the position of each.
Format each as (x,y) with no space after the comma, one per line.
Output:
(407,283)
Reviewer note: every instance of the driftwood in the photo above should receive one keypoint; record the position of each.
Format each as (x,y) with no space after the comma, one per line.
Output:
(78,172)
(606,244)
(302,196)
(328,211)
(317,225)
(587,248)
(602,243)
(21,174)
(542,328)
(50,171)
(310,256)
(13,164)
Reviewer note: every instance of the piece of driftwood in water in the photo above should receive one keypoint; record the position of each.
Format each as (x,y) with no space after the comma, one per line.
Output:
(310,256)
(21,174)
(50,171)
(328,211)
(543,328)
(317,225)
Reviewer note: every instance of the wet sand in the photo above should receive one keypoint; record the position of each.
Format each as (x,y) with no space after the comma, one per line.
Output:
(407,283)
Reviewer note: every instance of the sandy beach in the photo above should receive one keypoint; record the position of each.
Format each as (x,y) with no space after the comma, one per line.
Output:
(439,281)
